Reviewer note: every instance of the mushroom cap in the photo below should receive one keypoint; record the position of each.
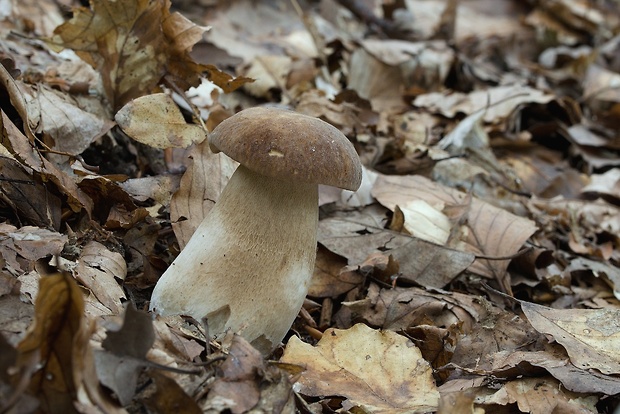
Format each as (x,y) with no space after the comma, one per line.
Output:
(289,146)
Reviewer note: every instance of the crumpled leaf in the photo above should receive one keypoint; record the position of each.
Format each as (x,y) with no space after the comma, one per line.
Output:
(331,278)
(591,337)
(539,396)
(157,121)
(134,45)
(118,369)
(56,114)
(377,371)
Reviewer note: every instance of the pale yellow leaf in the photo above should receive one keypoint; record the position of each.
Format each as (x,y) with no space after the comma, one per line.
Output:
(155,120)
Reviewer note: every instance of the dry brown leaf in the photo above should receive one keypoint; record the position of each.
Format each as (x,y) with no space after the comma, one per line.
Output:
(362,233)
(556,362)
(199,189)
(606,185)
(496,103)
(245,383)
(119,365)
(55,357)
(591,337)
(97,269)
(539,396)
(403,308)
(30,243)
(67,127)
(157,121)
(490,231)
(330,277)
(377,371)
(133,46)
(169,397)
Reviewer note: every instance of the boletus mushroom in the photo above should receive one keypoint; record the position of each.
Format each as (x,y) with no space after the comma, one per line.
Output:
(247,267)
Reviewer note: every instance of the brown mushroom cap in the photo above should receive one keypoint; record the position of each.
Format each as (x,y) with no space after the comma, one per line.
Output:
(289,146)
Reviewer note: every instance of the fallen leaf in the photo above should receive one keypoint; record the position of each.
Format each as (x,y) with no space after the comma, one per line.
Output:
(539,396)
(488,230)
(591,337)
(157,121)
(199,189)
(55,354)
(362,233)
(330,277)
(376,371)
(124,354)
(134,46)
(30,243)
(97,269)
(169,397)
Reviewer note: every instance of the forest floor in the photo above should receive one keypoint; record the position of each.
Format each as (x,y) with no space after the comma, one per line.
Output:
(477,268)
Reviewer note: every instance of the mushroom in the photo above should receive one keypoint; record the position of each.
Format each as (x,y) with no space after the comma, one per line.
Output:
(247,267)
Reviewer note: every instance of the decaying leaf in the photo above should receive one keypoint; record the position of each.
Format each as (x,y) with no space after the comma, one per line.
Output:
(377,371)
(29,243)
(246,383)
(97,269)
(169,396)
(362,233)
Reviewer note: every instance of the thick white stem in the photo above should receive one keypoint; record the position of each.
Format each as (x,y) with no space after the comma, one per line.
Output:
(248,266)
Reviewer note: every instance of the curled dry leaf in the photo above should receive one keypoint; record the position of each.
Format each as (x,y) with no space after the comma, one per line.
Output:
(540,396)
(55,360)
(199,189)
(30,243)
(157,121)
(377,371)
(97,269)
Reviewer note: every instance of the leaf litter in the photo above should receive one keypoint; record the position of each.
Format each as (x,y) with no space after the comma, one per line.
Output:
(475,269)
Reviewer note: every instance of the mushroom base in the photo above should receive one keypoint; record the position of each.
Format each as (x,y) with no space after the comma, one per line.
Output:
(248,266)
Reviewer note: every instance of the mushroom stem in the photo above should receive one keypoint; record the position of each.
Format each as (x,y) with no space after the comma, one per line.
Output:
(248,266)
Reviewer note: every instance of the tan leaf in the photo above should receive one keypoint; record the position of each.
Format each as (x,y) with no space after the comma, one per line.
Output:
(361,234)
(378,371)
(55,355)
(199,189)
(157,121)
(591,337)
(489,230)
(97,270)
(539,396)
